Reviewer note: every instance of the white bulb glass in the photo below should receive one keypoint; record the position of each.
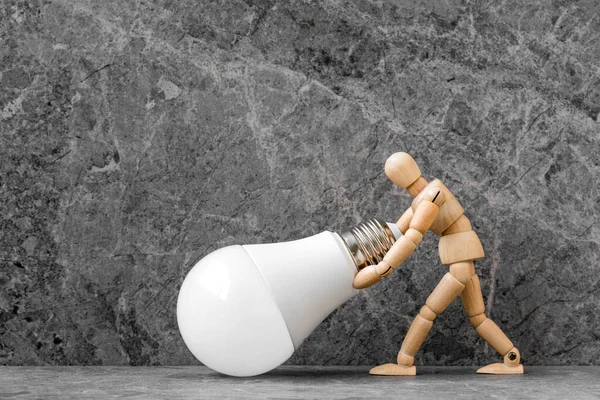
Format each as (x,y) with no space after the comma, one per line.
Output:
(243,310)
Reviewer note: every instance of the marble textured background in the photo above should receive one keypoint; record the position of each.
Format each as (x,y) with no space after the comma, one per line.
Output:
(139,135)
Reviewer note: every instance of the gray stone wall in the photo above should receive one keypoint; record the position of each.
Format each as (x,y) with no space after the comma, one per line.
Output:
(138,136)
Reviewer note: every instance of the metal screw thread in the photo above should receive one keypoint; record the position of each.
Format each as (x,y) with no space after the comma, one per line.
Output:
(368,242)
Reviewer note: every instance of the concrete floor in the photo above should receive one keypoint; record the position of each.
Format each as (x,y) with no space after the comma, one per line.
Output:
(294,383)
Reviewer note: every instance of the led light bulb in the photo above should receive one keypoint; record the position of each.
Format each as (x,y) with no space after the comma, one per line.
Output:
(243,310)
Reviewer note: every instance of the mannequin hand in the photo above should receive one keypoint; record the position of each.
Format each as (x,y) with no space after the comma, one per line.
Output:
(366,277)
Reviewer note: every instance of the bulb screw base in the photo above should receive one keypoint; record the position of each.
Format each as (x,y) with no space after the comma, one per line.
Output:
(368,242)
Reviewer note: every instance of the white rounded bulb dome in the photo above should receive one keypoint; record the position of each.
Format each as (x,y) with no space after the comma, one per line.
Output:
(228,317)
(243,310)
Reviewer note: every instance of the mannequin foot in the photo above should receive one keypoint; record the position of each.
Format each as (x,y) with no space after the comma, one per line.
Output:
(511,366)
(393,370)
(501,369)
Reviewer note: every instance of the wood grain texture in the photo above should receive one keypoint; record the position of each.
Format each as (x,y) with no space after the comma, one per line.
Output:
(416,335)
(424,216)
(402,169)
(404,221)
(444,293)
(472,298)
(462,246)
(417,186)
(462,224)
(399,252)
(492,334)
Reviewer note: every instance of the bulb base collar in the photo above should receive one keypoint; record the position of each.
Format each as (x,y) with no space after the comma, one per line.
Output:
(368,242)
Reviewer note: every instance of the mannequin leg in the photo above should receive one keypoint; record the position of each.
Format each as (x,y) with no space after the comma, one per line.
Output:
(446,291)
(473,302)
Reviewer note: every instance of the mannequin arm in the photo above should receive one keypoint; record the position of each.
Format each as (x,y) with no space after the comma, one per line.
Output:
(422,219)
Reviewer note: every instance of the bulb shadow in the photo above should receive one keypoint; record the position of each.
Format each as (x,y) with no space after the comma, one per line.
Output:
(297,374)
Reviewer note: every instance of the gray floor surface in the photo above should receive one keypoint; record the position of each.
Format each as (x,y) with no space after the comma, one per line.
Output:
(294,383)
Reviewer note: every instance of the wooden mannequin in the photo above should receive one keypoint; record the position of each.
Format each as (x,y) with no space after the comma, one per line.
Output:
(435,208)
